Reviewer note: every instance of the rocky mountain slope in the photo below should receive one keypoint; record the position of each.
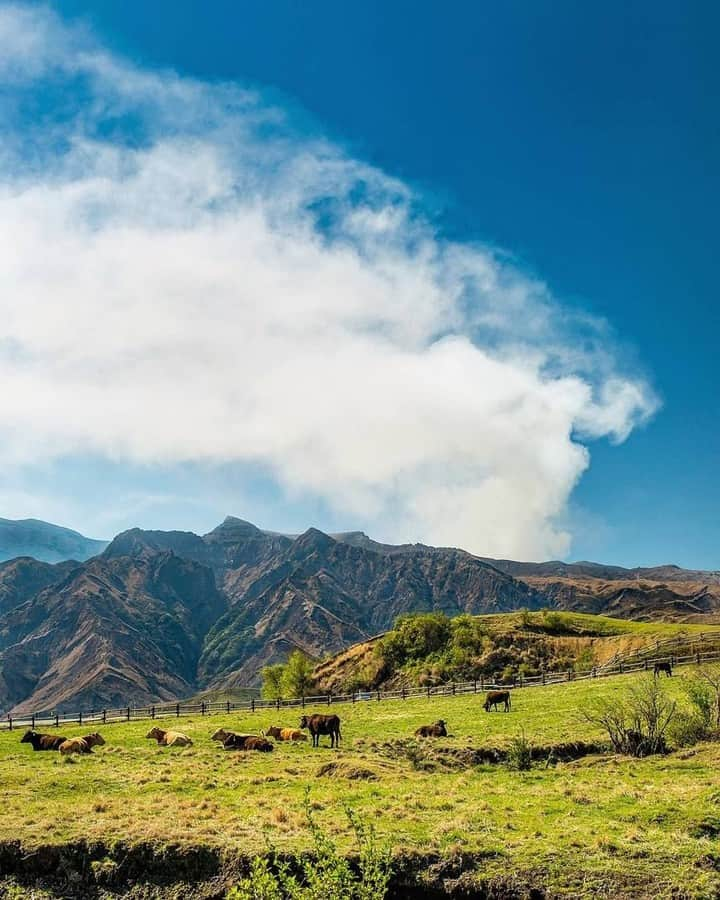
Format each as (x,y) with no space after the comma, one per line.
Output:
(45,542)
(160,614)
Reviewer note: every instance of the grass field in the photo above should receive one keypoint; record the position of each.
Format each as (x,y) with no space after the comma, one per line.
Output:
(599,826)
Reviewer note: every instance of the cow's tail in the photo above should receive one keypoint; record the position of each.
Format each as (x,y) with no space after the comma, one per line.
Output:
(338,734)
(509,700)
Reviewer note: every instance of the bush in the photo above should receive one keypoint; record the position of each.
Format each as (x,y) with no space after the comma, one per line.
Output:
(327,873)
(519,754)
(687,729)
(637,725)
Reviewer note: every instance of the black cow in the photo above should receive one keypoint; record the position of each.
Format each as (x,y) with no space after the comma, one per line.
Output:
(665,667)
(318,724)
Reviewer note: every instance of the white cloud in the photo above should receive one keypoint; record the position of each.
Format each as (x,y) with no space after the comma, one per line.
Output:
(185,278)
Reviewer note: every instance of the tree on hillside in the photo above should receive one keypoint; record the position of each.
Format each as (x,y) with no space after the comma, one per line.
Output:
(297,678)
(273,678)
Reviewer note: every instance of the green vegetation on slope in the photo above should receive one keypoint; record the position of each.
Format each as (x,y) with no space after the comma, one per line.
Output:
(600,826)
(432,649)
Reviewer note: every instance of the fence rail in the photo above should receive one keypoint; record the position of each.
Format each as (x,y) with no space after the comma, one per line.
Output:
(686,640)
(180,709)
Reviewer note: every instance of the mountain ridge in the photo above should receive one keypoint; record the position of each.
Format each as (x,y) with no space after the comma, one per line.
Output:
(159,614)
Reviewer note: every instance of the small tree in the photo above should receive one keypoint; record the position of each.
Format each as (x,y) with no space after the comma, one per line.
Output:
(638,724)
(273,678)
(297,678)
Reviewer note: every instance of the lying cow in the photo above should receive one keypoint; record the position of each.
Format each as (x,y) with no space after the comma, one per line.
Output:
(318,724)
(284,734)
(42,741)
(82,745)
(169,738)
(496,698)
(436,730)
(222,735)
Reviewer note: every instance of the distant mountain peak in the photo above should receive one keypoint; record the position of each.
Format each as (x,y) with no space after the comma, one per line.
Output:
(45,541)
(232,526)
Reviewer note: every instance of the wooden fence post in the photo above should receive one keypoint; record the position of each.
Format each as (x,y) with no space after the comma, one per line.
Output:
(152,712)
(228,707)
(177,710)
(33,721)
(482,682)
(80,718)
(128,713)
(252,704)
(57,720)
(104,715)
(403,693)
(9,722)
(329,699)
(453,688)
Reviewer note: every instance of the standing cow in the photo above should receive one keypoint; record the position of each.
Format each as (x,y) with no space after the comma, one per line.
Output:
(497,698)
(665,667)
(318,724)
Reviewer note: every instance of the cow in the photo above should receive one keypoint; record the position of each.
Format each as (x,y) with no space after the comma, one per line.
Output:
(82,745)
(261,744)
(319,724)
(231,740)
(495,698)
(665,667)
(222,735)
(284,734)
(436,730)
(169,738)
(42,741)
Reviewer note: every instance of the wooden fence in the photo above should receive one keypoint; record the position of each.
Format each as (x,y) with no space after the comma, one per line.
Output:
(185,708)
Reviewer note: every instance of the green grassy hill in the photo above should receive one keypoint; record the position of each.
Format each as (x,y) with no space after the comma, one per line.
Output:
(431,649)
(601,826)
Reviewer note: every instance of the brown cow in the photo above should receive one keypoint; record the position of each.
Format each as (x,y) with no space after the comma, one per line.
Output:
(82,745)
(495,698)
(436,730)
(42,741)
(169,738)
(284,734)
(318,724)
(222,735)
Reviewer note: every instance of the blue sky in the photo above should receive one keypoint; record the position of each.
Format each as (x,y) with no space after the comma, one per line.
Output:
(580,144)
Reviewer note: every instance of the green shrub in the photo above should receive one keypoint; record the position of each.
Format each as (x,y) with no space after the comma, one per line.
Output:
(687,729)
(519,754)
(326,874)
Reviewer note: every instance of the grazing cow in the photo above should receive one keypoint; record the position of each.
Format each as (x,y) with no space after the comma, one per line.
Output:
(82,745)
(318,724)
(495,698)
(665,667)
(169,738)
(436,730)
(284,734)
(42,741)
